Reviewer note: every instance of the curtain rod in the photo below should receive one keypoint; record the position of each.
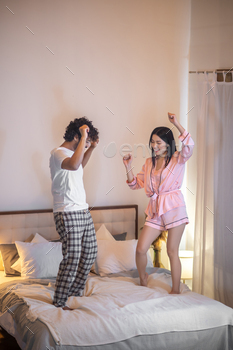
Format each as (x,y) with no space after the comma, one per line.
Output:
(211,71)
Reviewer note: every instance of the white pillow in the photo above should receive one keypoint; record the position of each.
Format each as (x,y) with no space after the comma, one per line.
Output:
(36,239)
(114,257)
(17,265)
(103,233)
(39,260)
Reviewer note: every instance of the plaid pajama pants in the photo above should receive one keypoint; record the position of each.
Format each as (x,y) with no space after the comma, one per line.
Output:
(79,249)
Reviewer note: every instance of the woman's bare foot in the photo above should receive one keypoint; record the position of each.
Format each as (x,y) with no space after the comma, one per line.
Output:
(67,308)
(143,281)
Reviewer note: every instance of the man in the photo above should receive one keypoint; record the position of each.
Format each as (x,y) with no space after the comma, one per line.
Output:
(73,220)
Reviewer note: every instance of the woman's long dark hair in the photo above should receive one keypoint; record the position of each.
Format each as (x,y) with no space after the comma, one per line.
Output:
(167,136)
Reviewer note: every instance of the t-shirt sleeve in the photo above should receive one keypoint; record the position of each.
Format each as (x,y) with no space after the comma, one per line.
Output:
(59,156)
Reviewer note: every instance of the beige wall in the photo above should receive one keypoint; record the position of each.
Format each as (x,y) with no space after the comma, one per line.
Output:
(133,55)
(210,49)
(211,34)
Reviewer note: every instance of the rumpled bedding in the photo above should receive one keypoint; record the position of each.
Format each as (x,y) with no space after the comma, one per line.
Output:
(116,308)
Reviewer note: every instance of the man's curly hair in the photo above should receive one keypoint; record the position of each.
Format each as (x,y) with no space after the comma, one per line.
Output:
(73,129)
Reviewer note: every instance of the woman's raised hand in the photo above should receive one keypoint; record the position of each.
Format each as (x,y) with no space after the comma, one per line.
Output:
(172,118)
(127,160)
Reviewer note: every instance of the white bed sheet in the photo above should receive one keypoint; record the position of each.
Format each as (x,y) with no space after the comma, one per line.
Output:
(117,308)
(4,279)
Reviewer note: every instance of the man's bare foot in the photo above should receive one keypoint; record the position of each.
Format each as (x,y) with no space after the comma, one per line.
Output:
(67,308)
(172,292)
(143,281)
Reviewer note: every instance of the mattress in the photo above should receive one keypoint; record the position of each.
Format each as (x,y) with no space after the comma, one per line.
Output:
(115,313)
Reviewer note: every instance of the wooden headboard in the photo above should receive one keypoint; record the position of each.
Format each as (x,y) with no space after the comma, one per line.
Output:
(20,225)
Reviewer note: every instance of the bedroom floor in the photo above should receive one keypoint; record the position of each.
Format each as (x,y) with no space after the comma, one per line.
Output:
(7,342)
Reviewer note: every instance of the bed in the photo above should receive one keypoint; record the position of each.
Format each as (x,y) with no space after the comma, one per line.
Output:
(114,312)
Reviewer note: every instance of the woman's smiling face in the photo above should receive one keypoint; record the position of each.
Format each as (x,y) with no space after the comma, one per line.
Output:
(159,146)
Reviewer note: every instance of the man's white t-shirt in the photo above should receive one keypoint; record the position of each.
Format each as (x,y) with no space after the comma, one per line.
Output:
(67,185)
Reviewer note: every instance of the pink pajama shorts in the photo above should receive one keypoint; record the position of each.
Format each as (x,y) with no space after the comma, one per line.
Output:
(171,218)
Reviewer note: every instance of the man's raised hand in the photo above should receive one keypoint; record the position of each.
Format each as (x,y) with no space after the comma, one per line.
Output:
(84,129)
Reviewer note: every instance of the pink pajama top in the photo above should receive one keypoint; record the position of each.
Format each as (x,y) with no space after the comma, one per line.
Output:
(163,186)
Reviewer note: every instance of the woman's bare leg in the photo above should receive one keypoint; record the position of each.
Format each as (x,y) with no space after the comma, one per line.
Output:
(147,236)
(173,242)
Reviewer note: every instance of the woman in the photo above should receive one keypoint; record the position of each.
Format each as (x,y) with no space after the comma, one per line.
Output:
(161,177)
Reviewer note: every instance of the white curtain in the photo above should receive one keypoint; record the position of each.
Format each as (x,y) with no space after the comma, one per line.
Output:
(213,236)
(223,194)
(203,263)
